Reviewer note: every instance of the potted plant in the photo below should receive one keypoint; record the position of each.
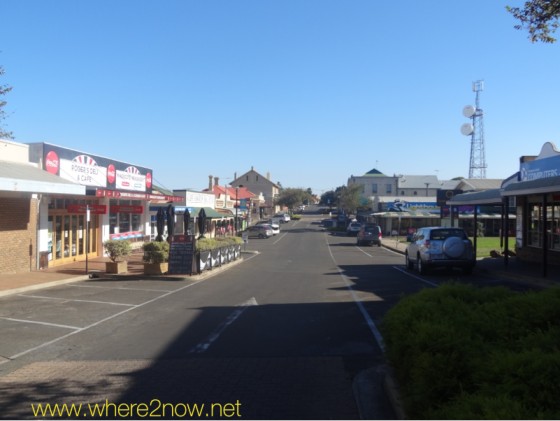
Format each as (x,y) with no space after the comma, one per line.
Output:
(156,257)
(118,251)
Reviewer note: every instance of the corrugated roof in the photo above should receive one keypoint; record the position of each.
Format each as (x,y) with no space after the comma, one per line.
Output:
(18,177)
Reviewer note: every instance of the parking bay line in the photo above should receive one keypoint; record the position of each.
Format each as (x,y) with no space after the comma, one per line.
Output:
(99,322)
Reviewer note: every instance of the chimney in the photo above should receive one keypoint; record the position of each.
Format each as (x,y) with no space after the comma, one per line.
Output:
(268,175)
(210,183)
(216,181)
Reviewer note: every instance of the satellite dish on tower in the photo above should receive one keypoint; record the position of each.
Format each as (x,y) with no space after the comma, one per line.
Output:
(468,111)
(467,129)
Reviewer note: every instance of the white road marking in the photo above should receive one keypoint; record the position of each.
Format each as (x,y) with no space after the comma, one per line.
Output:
(400,269)
(203,346)
(42,297)
(371,324)
(40,323)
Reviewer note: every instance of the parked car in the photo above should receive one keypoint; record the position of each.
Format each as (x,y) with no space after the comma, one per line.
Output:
(260,231)
(369,234)
(353,228)
(440,247)
(284,217)
(328,223)
(273,224)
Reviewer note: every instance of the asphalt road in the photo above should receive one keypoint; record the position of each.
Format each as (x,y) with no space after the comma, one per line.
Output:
(283,335)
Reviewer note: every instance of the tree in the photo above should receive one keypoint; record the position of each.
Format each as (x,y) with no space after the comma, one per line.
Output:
(4,89)
(349,197)
(291,197)
(539,17)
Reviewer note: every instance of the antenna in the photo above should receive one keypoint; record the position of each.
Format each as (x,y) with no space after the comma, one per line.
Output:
(475,129)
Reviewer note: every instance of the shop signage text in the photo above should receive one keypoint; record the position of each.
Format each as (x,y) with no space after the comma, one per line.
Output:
(95,209)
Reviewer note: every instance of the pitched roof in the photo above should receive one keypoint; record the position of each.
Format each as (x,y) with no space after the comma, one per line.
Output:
(374,173)
(418,182)
(475,184)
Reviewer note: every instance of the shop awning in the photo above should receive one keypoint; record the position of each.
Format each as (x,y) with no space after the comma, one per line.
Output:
(484,197)
(541,185)
(210,213)
(25,178)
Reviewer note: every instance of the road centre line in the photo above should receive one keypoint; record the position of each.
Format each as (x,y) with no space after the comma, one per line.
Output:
(203,346)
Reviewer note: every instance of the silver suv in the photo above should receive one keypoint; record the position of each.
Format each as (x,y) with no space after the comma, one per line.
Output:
(440,246)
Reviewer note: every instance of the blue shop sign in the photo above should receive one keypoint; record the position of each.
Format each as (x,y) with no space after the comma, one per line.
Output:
(539,168)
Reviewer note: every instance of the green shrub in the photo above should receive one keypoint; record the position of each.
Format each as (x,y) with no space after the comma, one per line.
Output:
(117,250)
(207,244)
(156,252)
(465,352)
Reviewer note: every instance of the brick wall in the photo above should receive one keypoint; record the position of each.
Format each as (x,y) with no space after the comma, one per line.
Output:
(18,234)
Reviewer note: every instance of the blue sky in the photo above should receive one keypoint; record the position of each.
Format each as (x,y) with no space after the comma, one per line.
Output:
(309,91)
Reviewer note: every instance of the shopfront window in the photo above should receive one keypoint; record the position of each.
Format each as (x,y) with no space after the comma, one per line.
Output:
(536,224)
(125,216)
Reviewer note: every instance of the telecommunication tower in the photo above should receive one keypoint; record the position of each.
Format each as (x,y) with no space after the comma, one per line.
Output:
(475,129)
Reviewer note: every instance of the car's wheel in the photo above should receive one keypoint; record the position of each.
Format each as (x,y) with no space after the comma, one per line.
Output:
(421,266)
(409,263)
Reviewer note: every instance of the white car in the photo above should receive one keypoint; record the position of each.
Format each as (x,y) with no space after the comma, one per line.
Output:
(274,225)
(284,217)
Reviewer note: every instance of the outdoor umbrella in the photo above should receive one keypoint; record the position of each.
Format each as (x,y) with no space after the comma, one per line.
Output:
(170,222)
(160,223)
(186,221)
(202,222)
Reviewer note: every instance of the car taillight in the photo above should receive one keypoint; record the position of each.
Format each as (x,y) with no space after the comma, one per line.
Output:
(380,236)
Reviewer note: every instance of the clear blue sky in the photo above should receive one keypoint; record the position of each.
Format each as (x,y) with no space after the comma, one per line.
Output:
(310,91)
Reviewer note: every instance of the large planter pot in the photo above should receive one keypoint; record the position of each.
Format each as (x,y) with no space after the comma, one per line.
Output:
(223,255)
(156,268)
(116,267)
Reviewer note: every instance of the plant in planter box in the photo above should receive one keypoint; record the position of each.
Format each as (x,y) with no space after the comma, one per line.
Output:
(118,251)
(156,257)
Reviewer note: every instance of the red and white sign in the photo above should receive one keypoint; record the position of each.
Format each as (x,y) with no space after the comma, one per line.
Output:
(95,209)
(127,209)
(52,163)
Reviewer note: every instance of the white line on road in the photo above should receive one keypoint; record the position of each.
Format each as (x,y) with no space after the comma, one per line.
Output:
(43,297)
(203,346)
(415,277)
(40,323)
(371,324)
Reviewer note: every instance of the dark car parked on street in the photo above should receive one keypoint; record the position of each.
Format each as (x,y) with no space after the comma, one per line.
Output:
(369,234)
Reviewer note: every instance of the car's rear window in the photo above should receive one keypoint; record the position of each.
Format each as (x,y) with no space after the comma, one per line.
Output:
(371,227)
(443,234)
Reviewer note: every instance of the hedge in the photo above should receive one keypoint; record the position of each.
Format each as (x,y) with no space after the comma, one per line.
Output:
(461,352)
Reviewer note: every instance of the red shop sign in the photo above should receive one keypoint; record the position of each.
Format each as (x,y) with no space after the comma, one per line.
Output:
(127,209)
(95,209)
